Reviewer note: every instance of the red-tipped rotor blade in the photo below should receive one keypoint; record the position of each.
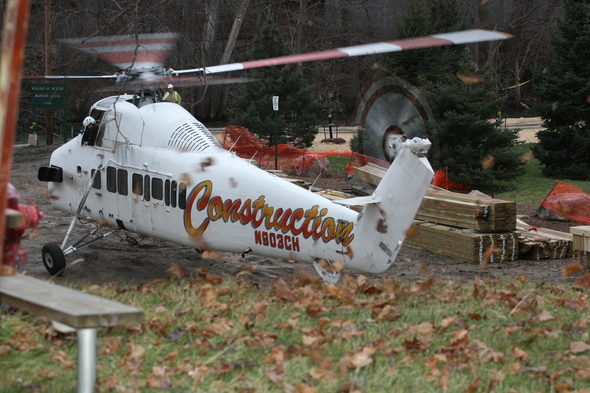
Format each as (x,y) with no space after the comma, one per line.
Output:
(127,51)
(456,38)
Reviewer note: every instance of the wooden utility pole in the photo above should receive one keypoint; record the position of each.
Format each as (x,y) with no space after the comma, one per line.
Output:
(49,112)
(16,21)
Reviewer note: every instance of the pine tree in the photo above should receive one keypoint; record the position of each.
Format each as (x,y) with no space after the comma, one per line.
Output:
(564,92)
(297,120)
(465,134)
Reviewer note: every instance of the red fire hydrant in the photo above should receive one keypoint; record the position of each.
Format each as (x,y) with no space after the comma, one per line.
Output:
(15,228)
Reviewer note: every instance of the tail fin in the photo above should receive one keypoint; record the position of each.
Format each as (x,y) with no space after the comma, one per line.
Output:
(382,227)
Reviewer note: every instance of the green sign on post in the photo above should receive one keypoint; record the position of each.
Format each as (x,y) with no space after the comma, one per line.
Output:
(49,96)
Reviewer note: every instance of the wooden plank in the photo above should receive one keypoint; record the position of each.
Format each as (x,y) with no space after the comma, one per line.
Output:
(68,306)
(581,240)
(543,243)
(468,211)
(463,244)
(369,173)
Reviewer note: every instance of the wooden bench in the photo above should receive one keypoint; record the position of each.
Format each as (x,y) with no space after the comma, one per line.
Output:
(82,312)
(582,243)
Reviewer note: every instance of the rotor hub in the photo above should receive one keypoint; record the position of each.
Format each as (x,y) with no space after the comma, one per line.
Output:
(392,138)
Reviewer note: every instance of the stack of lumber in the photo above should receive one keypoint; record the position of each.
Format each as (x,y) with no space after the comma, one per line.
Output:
(482,214)
(281,174)
(463,244)
(369,173)
(335,195)
(470,228)
(542,243)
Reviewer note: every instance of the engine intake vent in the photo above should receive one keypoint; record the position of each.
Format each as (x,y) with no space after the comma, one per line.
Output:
(192,137)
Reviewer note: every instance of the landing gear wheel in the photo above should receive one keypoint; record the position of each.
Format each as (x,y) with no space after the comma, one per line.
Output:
(53,259)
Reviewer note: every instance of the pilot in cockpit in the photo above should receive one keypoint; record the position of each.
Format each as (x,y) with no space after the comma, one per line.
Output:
(89,132)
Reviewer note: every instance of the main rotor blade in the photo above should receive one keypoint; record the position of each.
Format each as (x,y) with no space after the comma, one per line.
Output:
(114,76)
(125,51)
(456,38)
(182,81)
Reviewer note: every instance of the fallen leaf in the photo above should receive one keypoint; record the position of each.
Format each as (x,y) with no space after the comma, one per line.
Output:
(528,156)
(545,316)
(583,281)
(178,270)
(570,269)
(7,270)
(471,79)
(487,257)
(160,309)
(412,232)
(423,268)
(349,387)
(276,375)
(472,388)
(579,347)
(211,278)
(218,327)
(488,162)
(208,296)
(207,162)
(421,287)
(563,209)
(387,314)
(282,290)
(305,389)
(5,350)
(63,358)
(211,255)
(519,354)
(244,270)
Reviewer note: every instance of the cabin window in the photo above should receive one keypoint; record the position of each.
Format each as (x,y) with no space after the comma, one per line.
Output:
(122,182)
(111,179)
(97,182)
(137,184)
(182,195)
(173,190)
(167,192)
(157,192)
(146,187)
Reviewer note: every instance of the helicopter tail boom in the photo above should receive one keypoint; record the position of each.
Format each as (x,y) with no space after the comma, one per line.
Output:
(383,225)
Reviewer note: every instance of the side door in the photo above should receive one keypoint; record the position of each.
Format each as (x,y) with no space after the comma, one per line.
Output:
(118,191)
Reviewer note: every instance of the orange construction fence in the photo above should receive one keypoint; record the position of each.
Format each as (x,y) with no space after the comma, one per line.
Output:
(570,201)
(246,145)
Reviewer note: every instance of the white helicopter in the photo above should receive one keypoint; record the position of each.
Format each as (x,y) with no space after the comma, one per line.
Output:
(153,169)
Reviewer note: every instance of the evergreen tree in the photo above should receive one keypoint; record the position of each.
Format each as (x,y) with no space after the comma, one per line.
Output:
(564,93)
(465,134)
(297,120)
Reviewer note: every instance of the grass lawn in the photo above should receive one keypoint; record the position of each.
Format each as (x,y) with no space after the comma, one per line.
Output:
(205,335)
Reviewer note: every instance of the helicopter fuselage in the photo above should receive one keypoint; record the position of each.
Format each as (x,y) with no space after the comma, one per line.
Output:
(155,170)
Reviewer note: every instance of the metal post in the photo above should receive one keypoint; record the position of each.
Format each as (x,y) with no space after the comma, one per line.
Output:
(275,108)
(86,360)
(276,140)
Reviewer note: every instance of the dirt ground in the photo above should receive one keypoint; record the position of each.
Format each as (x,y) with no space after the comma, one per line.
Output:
(121,259)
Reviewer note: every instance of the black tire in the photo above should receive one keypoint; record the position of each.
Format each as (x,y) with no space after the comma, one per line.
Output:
(53,259)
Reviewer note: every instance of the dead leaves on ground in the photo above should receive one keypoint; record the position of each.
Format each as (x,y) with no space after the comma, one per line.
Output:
(335,347)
